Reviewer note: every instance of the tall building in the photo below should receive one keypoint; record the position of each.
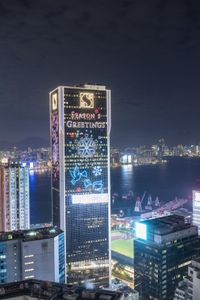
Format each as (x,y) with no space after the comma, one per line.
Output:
(196,209)
(80,140)
(189,288)
(28,254)
(163,249)
(14,197)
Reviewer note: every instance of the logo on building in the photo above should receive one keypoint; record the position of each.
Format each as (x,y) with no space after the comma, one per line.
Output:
(54,100)
(86,100)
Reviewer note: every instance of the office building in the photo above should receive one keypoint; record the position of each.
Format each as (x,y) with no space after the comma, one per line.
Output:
(37,290)
(14,197)
(163,249)
(196,209)
(31,254)
(189,288)
(80,140)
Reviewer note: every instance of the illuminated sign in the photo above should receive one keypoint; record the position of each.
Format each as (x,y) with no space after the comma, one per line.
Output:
(89,198)
(196,198)
(71,124)
(86,142)
(141,230)
(86,100)
(4,160)
(54,100)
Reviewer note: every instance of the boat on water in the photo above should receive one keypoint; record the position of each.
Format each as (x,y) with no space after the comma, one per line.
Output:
(145,205)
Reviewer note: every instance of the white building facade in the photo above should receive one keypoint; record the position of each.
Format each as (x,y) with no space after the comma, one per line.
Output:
(14,197)
(196,209)
(189,288)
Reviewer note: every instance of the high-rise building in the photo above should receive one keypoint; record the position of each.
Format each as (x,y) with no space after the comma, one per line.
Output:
(196,209)
(189,288)
(80,140)
(14,197)
(163,249)
(37,253)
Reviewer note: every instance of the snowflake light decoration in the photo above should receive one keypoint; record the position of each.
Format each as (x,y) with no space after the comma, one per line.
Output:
(97,171)
(86,147)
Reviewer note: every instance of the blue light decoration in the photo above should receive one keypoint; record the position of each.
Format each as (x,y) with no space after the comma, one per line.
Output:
(77,175)
(86,146)
(87,183)
(98,185)
(97,171)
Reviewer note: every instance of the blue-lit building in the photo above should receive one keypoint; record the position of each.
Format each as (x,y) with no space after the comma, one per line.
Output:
(163,249)
(80,140)
(30,254)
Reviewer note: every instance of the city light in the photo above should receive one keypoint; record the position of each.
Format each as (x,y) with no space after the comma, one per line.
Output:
(141,230)
(89,198)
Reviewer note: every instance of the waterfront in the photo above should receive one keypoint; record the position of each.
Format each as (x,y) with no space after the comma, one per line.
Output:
(177,178)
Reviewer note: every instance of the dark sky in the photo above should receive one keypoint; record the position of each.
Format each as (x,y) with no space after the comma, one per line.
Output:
(146,51)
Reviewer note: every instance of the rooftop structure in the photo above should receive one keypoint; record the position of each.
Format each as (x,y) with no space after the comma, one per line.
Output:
(36,289)
(164,229)
(30,235)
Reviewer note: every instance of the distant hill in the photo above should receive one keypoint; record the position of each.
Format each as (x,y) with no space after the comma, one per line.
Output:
(33,142)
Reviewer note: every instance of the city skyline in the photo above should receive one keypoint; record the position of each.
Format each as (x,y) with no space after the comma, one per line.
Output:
(147,53)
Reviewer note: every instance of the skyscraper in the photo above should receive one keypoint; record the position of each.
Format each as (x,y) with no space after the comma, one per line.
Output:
(80,139)
(162,252)
(14,197)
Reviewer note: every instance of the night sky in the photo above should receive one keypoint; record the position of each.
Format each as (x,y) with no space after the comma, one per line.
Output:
(146,52)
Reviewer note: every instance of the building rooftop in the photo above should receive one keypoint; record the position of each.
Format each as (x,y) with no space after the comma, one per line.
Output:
(165,230)
(167,224)
(31,234)
(37,289)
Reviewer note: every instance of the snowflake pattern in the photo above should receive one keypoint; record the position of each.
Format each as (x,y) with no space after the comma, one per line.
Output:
(97,170)
(86,147)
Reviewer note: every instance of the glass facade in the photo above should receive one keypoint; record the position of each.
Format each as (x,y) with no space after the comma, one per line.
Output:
(159,268)
(3,263)
(85,122)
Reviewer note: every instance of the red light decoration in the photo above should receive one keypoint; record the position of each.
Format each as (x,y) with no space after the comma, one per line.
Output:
(72,135)
(96,110)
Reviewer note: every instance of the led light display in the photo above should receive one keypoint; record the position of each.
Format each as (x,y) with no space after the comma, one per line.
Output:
(141,230)
(89,198)
(86,142)
(86,100)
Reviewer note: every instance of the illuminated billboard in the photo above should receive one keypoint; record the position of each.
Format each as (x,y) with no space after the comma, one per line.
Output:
(141,230)
(86,142)
(196,198)
(89,198)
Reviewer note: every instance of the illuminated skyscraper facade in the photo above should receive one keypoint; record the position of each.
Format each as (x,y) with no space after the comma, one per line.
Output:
(196,209)
(80,130)
(14,197)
